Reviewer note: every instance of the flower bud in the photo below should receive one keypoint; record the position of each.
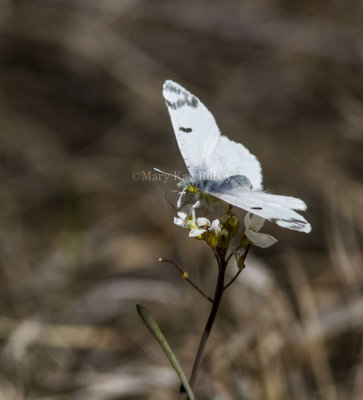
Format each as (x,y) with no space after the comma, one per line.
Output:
(224,219)
(224,239)
(241,263)
(201,236)
(212,239)
(233,225)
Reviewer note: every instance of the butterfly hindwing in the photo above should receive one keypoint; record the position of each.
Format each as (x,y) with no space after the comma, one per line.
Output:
(276,208)
(234,159)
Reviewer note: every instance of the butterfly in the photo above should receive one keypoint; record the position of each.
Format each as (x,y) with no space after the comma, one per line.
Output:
(222,168)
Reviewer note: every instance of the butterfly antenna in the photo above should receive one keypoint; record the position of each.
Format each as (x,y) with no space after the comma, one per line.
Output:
(166,173)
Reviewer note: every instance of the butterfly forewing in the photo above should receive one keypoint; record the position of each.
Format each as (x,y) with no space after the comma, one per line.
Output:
(195,128)
(207,154)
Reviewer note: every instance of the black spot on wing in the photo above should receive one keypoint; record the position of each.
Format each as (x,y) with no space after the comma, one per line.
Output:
(169,104)
(192,102)
(170,87)
(187,130)
(294,223)
(185,99)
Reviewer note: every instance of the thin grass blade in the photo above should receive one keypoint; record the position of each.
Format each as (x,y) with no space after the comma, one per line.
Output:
(155,330)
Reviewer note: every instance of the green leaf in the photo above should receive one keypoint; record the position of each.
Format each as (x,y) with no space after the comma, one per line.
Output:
(155,330)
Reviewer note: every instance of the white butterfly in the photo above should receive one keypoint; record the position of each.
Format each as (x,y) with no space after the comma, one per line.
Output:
(221,167)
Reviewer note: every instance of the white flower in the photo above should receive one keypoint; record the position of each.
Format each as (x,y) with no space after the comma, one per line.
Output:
(215,227)
(186,215)
(253,224)
(186,218)
(202,225)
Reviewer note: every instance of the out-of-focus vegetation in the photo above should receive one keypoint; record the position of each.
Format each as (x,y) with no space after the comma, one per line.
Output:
(81,109)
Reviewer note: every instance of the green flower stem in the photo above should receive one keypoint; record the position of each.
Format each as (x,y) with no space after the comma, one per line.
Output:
(155,330)
(208,327)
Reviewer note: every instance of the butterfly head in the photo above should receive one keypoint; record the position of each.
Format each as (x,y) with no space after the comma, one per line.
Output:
(192,188)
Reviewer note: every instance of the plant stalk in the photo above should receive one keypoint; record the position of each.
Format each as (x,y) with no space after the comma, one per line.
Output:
(208,327)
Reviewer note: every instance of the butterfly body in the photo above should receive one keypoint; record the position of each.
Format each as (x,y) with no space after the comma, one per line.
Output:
(234,182)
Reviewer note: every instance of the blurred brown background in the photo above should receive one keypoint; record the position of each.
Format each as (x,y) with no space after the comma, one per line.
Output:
(81,109)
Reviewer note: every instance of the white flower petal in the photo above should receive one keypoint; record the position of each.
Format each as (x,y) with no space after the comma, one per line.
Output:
(257,222)
(179,222)
(184,218)
(260,239)
(216,226)
(193,207)
(181,194)
(254,222)
(196,204)
(185,211)
(247,221)
(196,232)
(203,222)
